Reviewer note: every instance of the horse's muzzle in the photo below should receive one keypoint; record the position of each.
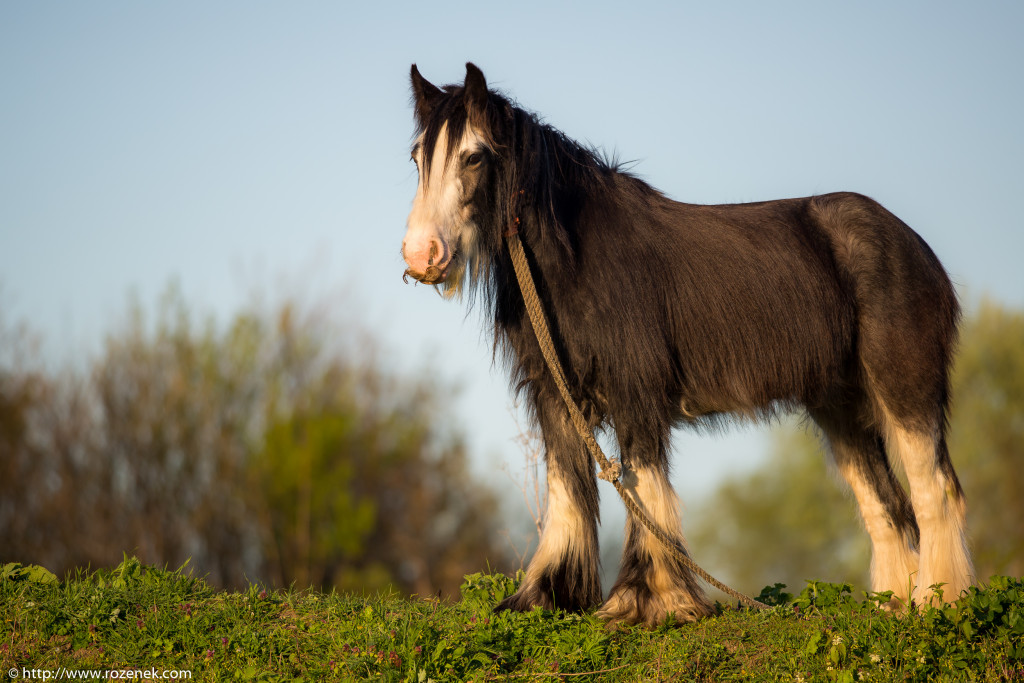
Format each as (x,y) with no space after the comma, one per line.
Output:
(428,259)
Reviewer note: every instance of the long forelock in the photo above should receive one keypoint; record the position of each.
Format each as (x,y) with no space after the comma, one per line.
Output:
(448,116)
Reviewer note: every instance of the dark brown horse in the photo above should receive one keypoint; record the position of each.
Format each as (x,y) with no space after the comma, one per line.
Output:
(668,313)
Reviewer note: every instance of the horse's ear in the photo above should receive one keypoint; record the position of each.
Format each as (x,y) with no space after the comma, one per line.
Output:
(476,91)
(425,94)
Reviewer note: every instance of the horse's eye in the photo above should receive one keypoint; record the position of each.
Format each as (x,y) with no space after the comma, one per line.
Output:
(474,159)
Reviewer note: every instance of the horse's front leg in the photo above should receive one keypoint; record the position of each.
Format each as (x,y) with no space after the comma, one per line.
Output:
(652,582)
(564,570)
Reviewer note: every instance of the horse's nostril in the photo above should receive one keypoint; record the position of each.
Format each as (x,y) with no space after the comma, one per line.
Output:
(433,253)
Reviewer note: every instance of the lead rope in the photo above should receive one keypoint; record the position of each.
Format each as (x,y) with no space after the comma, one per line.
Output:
(611,471)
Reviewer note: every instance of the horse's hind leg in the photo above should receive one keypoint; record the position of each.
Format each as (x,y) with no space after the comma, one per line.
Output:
(906,339)
(907,316)
(859,454)
(652,583)
(939,506)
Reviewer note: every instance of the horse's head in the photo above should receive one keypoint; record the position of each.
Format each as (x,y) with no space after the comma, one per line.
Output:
(455,155)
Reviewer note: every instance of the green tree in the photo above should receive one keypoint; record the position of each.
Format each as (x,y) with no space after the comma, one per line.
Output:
(314,514)
(789,520)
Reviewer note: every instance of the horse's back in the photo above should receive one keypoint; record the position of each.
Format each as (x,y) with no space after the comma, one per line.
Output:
(785,300)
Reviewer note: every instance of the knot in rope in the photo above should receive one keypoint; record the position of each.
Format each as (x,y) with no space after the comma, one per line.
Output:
(612,472)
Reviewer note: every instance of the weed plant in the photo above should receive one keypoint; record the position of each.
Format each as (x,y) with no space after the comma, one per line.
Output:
(135,619)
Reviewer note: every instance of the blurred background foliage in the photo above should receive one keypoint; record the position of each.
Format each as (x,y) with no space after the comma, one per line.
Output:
(276,448)
(792,519)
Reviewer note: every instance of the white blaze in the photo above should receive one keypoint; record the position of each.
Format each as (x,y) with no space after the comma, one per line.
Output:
(439,223)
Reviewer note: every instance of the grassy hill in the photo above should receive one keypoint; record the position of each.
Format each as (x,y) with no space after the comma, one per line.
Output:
(141,622)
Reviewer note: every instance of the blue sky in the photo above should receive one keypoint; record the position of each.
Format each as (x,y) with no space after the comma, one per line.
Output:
(239,145)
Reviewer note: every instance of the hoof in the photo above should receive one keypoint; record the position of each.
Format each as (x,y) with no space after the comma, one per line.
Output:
(894,605)
(571,596)
(638,604)
(525,600)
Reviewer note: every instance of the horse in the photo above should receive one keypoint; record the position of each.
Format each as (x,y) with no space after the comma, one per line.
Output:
(669,314)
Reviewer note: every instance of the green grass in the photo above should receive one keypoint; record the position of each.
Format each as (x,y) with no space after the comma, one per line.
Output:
(140,617)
